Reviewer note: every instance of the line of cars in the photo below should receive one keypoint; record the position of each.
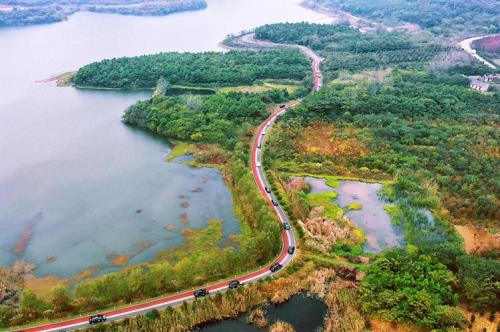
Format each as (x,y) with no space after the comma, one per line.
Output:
(203,292)
(291,249)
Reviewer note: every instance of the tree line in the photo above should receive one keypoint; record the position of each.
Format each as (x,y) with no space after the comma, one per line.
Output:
(210,69)
(439,16)
(347,49)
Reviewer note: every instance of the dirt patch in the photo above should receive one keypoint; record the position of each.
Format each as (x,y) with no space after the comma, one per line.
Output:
(478,240)
(297,184)
(384,326)
(482,322)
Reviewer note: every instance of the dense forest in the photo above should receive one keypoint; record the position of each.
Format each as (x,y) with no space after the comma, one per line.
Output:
(347,49)
(49,11)
(212,69)
(440,16)
(438,140)
(218,119)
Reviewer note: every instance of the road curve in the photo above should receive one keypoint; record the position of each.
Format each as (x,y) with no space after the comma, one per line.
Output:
(287,236)
(467,46)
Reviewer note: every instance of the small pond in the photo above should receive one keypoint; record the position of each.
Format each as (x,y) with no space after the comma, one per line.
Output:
(304,313)
(372,218)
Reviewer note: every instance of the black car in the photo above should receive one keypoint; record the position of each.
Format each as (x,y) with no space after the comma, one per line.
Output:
(286,226)
(291,250)
(275,267)
(282,106)
(267,190)
(234,284)
(200,293)
(95,319)
(275,203)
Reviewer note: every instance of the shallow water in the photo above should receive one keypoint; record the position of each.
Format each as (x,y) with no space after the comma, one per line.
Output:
(372,218)
(304,313)
(72,176)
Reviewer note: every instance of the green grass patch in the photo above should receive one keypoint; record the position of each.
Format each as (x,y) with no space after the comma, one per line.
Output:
(354,206)
(395,213)
(180,149)
(332,210)
(345,249)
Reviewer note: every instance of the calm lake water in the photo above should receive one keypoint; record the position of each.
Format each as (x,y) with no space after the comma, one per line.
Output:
(304,313)
(74,180)
(372,218)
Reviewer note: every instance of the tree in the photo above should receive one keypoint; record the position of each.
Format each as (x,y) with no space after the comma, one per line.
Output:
(61,300)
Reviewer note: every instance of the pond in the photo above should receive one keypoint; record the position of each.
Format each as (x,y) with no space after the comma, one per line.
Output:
(304,313)
(372,218)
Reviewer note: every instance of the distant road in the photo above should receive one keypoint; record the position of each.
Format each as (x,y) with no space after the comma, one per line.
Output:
(248,41)
(287,236)
(467,46)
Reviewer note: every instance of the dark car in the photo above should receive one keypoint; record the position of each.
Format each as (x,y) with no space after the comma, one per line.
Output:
(95,319)
(200,293)
(282,106)
(291,250)
(267,190)
(275,267)
(286,226)
(234,284)
(275,203)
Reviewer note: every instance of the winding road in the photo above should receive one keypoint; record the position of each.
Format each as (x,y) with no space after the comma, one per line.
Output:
(287,236)
(467,47)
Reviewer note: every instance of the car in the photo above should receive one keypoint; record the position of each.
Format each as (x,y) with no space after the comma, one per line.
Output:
(291,250)
(200,293)
(95,319)
(268,190)
(286,226)
(259,145)
(258,164)
(282,106)
(234,284)
(274,202)
(275,267)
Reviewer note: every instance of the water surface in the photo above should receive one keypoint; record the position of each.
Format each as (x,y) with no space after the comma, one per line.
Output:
(304,313)
(75,183)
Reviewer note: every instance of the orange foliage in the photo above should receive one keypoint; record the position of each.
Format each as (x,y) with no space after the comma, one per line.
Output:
(320,139)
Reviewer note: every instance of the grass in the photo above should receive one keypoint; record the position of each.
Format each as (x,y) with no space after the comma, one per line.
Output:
(332,210)
(333,180)
(180,149)
(395,213)
(263,87)
(354,206)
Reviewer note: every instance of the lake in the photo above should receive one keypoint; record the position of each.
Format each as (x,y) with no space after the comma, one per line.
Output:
(76,185)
